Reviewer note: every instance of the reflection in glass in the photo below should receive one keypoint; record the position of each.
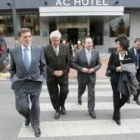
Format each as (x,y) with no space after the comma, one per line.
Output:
(6,25)
(31,21)
(120,25)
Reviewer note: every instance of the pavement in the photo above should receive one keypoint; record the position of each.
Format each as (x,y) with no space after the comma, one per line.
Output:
(76,124)
(4,74)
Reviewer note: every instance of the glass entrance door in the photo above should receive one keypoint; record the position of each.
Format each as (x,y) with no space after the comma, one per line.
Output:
(72,35)
(73,28)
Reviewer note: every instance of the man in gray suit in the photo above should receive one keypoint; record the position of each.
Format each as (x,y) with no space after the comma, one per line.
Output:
(28,70)
(87,62)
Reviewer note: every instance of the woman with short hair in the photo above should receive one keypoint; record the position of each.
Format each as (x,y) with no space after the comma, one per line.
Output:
(114,64)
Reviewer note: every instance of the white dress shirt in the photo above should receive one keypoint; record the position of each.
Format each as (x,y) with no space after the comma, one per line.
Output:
(121,57)
(135,51)
(56,49)
(88,54)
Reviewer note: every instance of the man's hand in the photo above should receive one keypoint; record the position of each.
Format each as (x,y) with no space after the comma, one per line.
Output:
(85,70)
(58,73)
(91,70)
(119,69)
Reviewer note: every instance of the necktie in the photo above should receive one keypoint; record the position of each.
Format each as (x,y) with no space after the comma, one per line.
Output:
(26,58)
(88,57)
(137,58)
(56,51)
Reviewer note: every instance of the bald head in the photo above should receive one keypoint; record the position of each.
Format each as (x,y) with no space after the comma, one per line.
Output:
(88,43)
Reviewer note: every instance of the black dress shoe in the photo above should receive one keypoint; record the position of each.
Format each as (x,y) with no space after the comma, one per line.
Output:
(118,122)
(79,100)
(137,100)
(93,115)
(128,101)
(63,110)
(57,115)
(37,132)
(27,122)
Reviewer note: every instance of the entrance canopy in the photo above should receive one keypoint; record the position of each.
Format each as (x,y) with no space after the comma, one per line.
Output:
(82,11)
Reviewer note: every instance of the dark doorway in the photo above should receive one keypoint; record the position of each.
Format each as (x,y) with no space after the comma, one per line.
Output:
(52,24)
(96,32)
(72,35)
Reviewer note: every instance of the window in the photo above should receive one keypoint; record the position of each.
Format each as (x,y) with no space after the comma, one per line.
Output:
(96,32)
(120,25)
(82,33)
(31,21)
(6,25)
(73,34)
(63,31)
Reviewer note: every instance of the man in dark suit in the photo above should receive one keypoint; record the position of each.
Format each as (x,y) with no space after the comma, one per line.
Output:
(28,70)
(135,50)
(87,62)
(58,63)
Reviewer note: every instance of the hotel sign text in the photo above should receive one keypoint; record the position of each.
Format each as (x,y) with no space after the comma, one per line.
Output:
(82,3)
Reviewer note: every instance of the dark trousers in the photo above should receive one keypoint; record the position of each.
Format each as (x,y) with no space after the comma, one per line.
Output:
(138,78)
(91,94)
(58,90)
(29,89)
(118,101)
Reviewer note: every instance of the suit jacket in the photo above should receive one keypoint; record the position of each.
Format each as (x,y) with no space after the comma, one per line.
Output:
(80,62)
(133,53)
(19,74)
(138,70)
(114,62)
(60,62)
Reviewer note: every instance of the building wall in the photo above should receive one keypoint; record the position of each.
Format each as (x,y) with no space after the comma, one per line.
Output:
(134,32)
(134,26)
(41,40)
(37,40)
(108,42)
(44,32)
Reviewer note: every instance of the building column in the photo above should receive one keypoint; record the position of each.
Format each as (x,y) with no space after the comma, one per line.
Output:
(88,26)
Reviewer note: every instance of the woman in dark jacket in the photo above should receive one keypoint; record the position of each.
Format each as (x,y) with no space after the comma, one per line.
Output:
(114,65)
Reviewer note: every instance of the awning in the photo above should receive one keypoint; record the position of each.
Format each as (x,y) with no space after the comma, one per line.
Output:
(82,11)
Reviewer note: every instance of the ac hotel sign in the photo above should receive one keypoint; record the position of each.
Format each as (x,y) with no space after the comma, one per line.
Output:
(81,3)
(73,7)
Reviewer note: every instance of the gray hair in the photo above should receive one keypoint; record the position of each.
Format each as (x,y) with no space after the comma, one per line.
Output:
(55,33)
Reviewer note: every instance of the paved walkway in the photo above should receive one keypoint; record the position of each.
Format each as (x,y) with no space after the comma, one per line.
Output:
(78,125)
